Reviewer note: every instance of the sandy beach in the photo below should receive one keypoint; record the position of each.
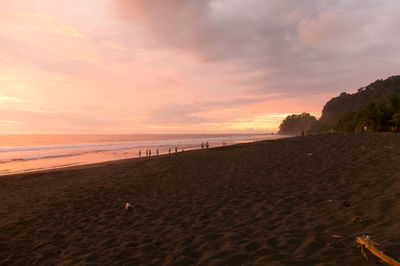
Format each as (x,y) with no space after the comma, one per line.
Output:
(295,201)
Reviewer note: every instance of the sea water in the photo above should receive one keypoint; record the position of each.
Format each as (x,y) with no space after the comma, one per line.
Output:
(26,153)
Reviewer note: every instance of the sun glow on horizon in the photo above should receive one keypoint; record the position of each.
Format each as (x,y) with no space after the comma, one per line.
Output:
(115,66)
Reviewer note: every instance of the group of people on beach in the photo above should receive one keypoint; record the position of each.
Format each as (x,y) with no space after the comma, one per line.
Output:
(206,145)
(176,150)
(148,151)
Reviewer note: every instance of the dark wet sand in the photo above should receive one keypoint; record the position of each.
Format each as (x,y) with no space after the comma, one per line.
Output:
(279,202)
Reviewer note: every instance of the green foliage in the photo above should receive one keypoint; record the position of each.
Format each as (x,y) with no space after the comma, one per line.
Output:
(340,108)
(375,116)
(295,124)
(374,108)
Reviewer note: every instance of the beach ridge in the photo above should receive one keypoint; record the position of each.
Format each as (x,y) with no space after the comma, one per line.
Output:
(285,201)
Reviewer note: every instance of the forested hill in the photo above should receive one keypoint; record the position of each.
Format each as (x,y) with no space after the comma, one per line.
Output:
(379,92)
(296,124)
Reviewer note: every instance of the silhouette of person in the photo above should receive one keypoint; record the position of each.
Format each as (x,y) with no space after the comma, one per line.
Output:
(302,132)
(140,153)
(176,149)
(169,150)
(158,152)
(149,153)
(207,145)
(202,145)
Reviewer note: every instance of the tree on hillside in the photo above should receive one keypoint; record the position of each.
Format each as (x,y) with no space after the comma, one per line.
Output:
(338,108)
(375,116)
(295,124)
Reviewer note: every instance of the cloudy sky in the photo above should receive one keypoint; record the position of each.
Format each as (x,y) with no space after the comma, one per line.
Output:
(169,66)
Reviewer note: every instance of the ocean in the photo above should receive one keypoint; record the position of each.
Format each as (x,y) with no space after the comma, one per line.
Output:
(27,153)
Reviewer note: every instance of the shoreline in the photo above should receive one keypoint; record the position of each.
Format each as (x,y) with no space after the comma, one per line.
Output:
(104,158)
(116,161)
(299,200)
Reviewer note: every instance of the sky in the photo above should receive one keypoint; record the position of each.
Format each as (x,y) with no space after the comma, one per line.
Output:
(186,66)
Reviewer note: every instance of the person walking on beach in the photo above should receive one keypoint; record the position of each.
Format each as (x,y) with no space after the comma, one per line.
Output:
(202,145)
(140,153)
(149,152)
(158,152)
(169,150)
(207,145)
(176,149)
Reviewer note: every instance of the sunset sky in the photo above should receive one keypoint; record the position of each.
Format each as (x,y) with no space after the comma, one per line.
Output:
(190,66)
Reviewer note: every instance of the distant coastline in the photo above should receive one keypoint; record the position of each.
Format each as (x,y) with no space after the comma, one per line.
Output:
(29,153)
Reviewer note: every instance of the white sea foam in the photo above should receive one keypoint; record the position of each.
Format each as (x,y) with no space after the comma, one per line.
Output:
(53,153)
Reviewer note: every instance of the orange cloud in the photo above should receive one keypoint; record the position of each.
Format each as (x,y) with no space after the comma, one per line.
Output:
(185,66)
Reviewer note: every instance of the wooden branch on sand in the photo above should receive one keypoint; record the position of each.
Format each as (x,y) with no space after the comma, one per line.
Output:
(365,242)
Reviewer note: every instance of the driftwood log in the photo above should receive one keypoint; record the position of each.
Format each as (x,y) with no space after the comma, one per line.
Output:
(365,242)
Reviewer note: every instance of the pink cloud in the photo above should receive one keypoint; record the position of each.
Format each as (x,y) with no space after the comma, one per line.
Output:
(186,65)
(328,27)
